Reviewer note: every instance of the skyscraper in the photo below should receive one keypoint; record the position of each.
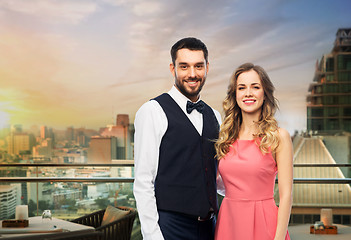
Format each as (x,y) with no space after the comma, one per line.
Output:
(19,143)
(329,100)
(124,132)
(8,199)
(102,149)
(43,132)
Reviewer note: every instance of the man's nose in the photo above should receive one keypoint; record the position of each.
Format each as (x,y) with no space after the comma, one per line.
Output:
(192,72)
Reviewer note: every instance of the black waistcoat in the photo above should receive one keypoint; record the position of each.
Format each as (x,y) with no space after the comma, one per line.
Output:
(186,176)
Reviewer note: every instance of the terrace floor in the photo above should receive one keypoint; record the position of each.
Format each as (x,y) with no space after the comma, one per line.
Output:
(302,232)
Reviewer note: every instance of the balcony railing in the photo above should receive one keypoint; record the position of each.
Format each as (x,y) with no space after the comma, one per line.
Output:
(131,179)
(36,168)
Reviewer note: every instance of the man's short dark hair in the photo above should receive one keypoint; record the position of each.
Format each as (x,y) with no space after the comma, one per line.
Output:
(190,43)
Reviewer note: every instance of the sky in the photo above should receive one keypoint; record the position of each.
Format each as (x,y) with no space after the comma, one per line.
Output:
(81,62)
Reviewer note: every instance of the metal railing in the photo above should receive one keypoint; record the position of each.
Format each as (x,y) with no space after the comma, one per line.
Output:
(131,179)
(38,166)
(38,179)
(124,163)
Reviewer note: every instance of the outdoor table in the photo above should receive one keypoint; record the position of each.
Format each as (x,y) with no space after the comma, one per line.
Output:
(37,225)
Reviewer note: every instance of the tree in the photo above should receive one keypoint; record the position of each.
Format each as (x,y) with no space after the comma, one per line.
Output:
(70,203)
(32,208)
(102,202)
(43,205)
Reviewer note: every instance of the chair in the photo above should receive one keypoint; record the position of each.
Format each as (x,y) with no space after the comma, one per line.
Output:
(118,230)
(75,235)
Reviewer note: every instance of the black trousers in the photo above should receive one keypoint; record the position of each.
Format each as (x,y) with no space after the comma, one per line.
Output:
(177,226)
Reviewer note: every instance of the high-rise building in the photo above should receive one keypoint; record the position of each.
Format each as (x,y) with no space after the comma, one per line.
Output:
(18,143)
(70,133)
(329,101)
(124,132)
(102,149)
(8,200)
(22,190)
(43,132)
(44,149)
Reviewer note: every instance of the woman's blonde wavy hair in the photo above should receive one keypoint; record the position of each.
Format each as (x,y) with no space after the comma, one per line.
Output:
(267,125)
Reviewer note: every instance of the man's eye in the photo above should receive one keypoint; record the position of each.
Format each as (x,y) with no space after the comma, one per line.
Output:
(199,67)
(183,67)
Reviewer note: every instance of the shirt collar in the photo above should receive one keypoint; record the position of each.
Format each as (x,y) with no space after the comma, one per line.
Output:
(179,98)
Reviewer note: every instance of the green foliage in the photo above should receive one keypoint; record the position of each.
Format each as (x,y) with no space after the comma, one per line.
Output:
(102,202)
(32,208)
(70,203)
(43,205)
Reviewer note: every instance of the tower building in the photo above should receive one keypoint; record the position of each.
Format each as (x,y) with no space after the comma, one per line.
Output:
(329,98)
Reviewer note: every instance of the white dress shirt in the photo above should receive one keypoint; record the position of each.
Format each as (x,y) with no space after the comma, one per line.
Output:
(150,126)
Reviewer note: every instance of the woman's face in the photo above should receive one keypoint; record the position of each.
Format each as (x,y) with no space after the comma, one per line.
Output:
(249,92)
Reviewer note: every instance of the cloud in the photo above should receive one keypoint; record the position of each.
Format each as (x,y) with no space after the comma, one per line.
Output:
(148,8)
(53,10)
(119,57)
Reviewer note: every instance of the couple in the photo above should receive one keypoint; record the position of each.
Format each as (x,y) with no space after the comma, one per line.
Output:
(179,144)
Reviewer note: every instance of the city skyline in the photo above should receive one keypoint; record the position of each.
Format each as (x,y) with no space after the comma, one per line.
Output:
(80,63)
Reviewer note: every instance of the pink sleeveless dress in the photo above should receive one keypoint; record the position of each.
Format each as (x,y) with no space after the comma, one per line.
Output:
(248,210)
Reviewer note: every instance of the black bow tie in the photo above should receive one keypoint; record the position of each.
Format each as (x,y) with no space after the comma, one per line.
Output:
(199,106)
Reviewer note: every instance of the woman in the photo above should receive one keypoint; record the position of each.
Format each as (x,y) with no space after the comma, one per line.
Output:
(252,149)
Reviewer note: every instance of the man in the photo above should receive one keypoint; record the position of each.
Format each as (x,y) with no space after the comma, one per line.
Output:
(175,168)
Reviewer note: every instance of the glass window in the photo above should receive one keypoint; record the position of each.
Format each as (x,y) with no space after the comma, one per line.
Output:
(344,77)
(344,62)
(345,88)
(317,112)
(330,65)
(317,124)
(121,153)
(331,100)
(319,89)
(332,112)
(345,100)
(332,124)
(330,77)
(309,112)
(330,88)
(347,125)
(347,112)
(318,100)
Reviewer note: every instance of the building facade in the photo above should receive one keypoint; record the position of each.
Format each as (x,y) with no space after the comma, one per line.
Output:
(19,143)
(124,132)
(329,99)
(102,149)
(8,201)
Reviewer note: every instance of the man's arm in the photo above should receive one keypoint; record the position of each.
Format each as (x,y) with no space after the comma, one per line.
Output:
(220,184)
(150,125)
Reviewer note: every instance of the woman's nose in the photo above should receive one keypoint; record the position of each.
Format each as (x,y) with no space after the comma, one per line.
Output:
(248,92)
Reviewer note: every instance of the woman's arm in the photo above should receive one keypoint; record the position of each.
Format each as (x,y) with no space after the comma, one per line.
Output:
(284,158)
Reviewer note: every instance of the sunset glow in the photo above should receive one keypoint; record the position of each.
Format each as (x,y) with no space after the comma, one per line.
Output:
(79,63)
(4,119)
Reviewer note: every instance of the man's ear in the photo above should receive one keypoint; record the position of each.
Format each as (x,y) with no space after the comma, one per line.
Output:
(172,69)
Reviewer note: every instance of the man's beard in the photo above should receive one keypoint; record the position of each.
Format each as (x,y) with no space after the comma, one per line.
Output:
(184,91)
